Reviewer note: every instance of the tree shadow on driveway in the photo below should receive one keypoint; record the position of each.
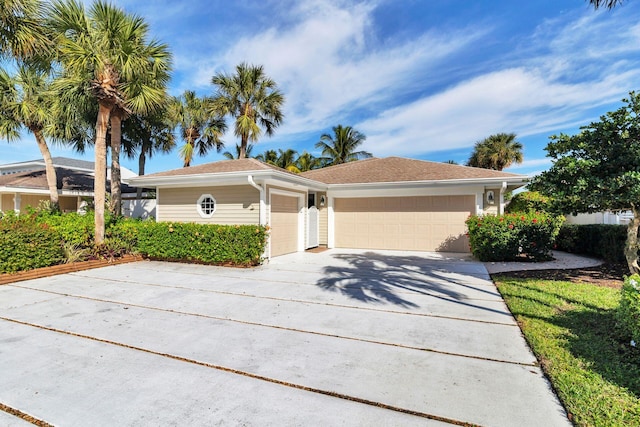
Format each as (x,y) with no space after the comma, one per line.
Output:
(387,279)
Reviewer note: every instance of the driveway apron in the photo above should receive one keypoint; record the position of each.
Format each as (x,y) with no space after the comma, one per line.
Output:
(341,337)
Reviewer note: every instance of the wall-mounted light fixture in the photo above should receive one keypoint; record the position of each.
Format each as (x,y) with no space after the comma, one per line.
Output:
(490,197)
(322,200)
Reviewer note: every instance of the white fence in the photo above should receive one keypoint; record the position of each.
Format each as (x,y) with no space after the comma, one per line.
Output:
(600,218)
(139,208)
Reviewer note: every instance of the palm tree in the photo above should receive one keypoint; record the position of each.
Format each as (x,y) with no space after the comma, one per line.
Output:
(252,99)
(106,52)
(21,34)
(146,135)
(451,162)
(307,161)
(232,156)
(496,152)
(341,146)
(287,160)
(609,4)
(269,156)
(26,101)
(200,127)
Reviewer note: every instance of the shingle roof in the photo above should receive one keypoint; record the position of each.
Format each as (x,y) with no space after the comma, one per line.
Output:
(398,169)
(59,162)
(224,166)
(67,179)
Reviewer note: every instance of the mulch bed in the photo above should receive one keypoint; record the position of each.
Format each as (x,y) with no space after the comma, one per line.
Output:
(609,275)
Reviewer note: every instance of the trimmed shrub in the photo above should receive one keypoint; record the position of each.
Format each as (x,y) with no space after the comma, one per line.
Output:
(511,237)
(206,243)
(604,241)
(26,244)
(629,310)
(529,201)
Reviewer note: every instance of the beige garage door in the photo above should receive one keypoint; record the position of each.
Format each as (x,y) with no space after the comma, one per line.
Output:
(284,225)
(425,223)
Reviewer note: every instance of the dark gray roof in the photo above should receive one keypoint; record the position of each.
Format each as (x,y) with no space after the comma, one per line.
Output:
(64,162)
(67,179)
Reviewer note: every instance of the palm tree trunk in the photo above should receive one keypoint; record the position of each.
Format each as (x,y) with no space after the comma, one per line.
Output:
(116,144)
(631,246)
(52,179)
(100,178)
(243,146)
(141,163)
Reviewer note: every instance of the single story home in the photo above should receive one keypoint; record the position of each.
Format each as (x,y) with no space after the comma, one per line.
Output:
(24,184)
(378,203)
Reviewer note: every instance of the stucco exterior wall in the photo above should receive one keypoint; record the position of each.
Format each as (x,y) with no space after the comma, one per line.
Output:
(236,204)
(491,208)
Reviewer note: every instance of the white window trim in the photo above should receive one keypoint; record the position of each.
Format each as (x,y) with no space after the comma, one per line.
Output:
(199,206)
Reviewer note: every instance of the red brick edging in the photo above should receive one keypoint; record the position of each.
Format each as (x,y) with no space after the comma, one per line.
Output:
(64,268)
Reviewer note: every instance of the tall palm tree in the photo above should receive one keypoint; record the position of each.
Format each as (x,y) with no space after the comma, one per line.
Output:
(609,4)
(200,127)
(106,51)
(496,152)
(231,156)
(21,34)
(307,161)
(26,101)
(252,99)
(341,146)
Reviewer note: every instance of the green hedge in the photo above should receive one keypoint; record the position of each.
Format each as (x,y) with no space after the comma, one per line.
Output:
(602,241)
(26,244)
(511,237)
(528,201)
(212,244)
(629,309)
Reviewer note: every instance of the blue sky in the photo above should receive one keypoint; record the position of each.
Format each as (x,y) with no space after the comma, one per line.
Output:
(421,79)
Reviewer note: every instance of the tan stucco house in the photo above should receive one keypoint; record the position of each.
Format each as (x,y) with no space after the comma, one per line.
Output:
(379,203)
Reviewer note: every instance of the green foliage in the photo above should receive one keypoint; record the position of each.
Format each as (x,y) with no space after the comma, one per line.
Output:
(496,152)
(629,310)
(604,241)
(215,244)
(26,244)
(513,236)
(528,201)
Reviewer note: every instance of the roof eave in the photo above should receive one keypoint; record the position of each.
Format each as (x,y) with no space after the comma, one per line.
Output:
(517,180)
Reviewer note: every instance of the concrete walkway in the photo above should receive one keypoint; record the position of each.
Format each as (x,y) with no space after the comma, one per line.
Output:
(334,338)
(560,261)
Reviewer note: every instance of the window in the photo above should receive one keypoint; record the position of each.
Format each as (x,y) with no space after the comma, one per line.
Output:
(206,206)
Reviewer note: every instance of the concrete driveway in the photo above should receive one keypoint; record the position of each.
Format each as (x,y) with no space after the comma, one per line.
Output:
(335,338)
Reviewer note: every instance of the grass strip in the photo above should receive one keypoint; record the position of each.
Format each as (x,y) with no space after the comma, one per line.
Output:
(571,328)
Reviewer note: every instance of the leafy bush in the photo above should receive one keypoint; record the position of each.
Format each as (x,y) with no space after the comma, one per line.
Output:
(26,244)
(529,201)
(512,236)
(604,241)
(629,309)
(215,244)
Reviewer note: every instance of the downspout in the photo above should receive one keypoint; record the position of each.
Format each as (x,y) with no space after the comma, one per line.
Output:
(263,200)
(262,214)
(503,189)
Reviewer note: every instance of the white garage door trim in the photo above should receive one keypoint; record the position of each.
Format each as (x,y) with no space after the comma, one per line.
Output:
(301,212)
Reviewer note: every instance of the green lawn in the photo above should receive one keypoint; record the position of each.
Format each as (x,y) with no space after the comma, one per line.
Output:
(571,328)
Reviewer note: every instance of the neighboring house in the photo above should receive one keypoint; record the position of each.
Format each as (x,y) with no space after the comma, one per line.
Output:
(25,184)
(378,203)
(621,218)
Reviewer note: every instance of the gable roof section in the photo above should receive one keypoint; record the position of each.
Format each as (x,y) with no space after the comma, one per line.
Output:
(64,162)
(398,169)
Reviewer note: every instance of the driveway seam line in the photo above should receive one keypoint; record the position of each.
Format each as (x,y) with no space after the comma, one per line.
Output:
(253,376)
(301,301)
(24,416)
(245,322)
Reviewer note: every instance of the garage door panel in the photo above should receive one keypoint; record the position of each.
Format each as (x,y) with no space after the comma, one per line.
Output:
(284,225)
(427,223)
